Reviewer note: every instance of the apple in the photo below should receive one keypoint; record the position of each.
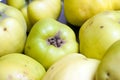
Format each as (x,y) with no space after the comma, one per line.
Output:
(72,67)
(44,9)
(17,66)
(12,30)
(49,40)
(17,3)
(108,69)
(78,11)
(116,4)
(98,33)
(34,10)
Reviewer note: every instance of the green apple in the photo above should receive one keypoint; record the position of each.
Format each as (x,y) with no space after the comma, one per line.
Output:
(17,66)
(13,12)
(22,6)
(16,3)
(78,11)
(108,69)
(49,40)
(12,30)
(98,33)
(72,67)
(40,9)
(34,10)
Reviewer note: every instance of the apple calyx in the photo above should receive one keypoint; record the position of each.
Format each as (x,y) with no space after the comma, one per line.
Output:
(55,40)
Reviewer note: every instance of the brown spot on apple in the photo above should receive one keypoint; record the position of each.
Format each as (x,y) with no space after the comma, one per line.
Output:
(56,40)
(5,29)
(101,27)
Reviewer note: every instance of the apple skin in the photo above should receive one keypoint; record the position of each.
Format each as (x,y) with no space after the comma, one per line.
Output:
(33,10)
(108,69)
(72,67)
(13,12)
(16,3)
(12,30)
(39,47)
(17,66)
(98,33)
(44,9)
(78,11)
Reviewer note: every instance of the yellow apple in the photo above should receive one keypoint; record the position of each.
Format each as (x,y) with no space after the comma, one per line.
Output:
(17,66)
(34,10)
(12,30)
(98,33)
(72,67)
(78,11)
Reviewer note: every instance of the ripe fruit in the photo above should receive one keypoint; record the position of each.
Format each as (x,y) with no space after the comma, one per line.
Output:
(108,69)
(78,11)
(98,33)
(34,10)
(49,40)
(12,30)
(72,67)
(17,66)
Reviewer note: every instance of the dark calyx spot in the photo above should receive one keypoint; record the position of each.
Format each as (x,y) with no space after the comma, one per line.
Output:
(101,27)
(107,76)
(5,29)
(56,40)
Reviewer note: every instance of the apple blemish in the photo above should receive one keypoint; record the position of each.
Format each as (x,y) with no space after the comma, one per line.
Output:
(5,29)
(101,27)
(56,40)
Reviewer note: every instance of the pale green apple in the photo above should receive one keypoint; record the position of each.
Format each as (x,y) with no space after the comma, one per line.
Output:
(22,6)
(12,30)
(78,11)
(16,3)
(98,33)
(17,66)
(33,10)
(49,40)
(108,69)
(72,67)
(13,12)
(40,9)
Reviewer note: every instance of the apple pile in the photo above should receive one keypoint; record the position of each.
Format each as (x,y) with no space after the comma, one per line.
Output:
(36,45)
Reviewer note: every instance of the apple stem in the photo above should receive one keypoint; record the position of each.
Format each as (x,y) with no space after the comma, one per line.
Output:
(56,40)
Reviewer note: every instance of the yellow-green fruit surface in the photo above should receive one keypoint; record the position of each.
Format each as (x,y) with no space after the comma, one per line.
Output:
(72,67)
(98,33)
(109,68)
(17,66)
(12,30)
(78,11)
